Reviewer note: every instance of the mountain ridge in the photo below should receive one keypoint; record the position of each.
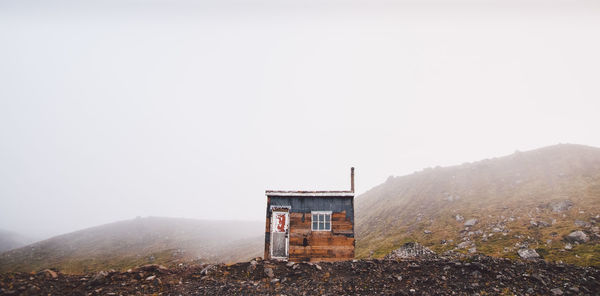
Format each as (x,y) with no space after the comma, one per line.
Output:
(129,243)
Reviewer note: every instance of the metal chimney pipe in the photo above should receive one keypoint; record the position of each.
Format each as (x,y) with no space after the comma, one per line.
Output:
(352,179)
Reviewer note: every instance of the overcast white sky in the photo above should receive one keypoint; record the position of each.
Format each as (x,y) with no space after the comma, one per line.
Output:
(116,109)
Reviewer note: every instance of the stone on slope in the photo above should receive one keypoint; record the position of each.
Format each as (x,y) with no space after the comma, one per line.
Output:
(49,272)
(561,206)
(99,278)
(269,272)
(206,270)
(411,250)
(463,245)
(581,223)
(577,236)
(471,222)
(528,254)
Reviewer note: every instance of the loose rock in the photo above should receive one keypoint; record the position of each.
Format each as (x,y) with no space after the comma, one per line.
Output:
(269,272)
(99,278)
(410,250)
(577,236)
(463,245)
(561,206)
(471,222)
(51,273)
(528,254)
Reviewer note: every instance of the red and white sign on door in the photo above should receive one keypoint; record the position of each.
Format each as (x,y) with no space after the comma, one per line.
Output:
(280,225)
(279,234)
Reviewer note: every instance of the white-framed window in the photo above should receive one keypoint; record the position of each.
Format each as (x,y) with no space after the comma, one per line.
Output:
(321,220)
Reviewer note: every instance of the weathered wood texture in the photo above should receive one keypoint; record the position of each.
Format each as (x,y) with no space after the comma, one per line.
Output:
(307,245)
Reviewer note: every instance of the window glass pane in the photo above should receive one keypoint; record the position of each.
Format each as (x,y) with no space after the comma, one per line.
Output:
(321,221)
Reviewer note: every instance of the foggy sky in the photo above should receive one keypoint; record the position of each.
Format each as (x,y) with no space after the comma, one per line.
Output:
(116,109)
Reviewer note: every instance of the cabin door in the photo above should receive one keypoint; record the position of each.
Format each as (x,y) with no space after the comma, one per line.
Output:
(279,234)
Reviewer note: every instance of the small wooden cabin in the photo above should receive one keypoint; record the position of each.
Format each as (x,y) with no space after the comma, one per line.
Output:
(310,225)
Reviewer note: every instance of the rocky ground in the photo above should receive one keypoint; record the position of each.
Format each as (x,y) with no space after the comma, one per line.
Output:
(476,275)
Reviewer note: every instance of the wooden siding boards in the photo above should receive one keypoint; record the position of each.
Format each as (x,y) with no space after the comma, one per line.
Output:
(307,245)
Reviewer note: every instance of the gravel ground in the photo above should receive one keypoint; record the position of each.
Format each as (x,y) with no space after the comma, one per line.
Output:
(477,275)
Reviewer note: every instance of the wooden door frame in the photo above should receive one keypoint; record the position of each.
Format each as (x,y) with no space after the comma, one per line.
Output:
(286,210)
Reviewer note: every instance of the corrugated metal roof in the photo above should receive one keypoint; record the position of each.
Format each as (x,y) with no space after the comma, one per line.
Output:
(308,193)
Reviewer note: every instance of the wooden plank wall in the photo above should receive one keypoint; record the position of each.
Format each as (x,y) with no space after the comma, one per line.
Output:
(308,245)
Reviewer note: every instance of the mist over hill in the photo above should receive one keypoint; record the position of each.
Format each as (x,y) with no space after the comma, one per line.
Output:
(527,200)
(11,240)
(130,243)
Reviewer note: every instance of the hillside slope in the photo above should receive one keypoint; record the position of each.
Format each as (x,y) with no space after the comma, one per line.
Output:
(527,199)
(130,243)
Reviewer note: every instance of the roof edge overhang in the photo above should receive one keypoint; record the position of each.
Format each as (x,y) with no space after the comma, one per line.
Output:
(310,193)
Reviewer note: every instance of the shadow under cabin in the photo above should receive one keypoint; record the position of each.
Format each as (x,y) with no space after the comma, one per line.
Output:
(310,225)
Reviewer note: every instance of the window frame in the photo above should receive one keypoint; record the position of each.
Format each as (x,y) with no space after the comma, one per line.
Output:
(324,221)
